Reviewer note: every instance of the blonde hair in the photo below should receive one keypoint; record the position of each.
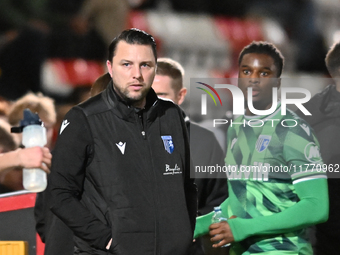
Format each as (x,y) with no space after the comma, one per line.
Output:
(37,103)
(173,69)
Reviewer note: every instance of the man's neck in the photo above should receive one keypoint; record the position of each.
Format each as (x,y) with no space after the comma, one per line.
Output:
(257,107)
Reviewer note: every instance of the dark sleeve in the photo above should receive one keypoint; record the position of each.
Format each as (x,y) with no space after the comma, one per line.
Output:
(206,152)
(215,189)
(40,212)
(50,228)
(189,184)
(71,155)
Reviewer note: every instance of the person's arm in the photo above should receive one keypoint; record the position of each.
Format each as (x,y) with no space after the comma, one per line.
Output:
(310,210)
(310,187)
(203,222)
(34,157)
(70,157)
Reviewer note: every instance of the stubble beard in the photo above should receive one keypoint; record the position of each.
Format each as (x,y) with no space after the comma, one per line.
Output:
(135,99)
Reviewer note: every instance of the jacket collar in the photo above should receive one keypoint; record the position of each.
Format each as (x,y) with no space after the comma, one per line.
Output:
(125,111)
(330,104)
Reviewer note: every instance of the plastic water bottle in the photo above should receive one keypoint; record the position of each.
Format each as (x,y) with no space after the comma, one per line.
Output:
(218,217)
(33,134)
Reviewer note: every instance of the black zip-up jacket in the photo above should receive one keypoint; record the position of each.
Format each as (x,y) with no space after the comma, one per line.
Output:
(114,176)
(325,120)
(212,189)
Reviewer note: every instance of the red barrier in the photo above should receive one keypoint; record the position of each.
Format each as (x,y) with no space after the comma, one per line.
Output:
(14,204)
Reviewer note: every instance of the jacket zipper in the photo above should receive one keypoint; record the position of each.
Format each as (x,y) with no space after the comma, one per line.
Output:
(141,121)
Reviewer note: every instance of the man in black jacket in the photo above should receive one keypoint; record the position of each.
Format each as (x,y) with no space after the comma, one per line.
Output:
(204,147)
(325,120)
(120,177)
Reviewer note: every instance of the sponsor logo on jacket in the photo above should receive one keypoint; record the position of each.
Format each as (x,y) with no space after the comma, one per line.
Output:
(172,171)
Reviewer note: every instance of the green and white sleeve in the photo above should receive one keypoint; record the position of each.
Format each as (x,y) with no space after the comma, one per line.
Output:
(310,210)
(203,222)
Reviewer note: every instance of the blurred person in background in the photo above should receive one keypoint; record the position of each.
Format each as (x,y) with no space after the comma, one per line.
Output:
(37,103)
(44,107)
(34,157)
(325,120)
(13,159)
(204,147)
(108,17)
(298,18)
(10,161)
(70,38)
(33,31)
(100,84)
(5,106)
(22,46)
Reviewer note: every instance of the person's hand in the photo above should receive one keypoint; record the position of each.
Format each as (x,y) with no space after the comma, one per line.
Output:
(35,157)
(221,233)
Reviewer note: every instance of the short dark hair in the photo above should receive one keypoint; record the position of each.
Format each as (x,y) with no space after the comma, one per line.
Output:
(267,48)
(132,36)
(333,60)
(173,69)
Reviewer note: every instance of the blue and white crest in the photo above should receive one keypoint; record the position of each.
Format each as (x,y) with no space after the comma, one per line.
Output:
(168,143)
(262,142)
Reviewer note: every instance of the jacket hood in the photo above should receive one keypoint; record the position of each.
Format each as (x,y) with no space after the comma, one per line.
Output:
(330,104)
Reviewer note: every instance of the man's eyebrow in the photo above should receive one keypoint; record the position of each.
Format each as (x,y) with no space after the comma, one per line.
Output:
(147,62)
(269,69)
(265,67)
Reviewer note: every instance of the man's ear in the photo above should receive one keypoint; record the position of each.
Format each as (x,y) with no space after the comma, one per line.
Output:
(181,95)
(109,67)
(278,83)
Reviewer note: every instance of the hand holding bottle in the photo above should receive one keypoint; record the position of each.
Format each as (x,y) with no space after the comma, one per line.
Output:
(35,157)
(220,230)
(33,135)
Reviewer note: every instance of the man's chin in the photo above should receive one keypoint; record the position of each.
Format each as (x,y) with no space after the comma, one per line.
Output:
(135,97)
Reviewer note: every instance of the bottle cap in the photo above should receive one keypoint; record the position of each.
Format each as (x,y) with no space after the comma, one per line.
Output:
(217,208)
(30,118)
